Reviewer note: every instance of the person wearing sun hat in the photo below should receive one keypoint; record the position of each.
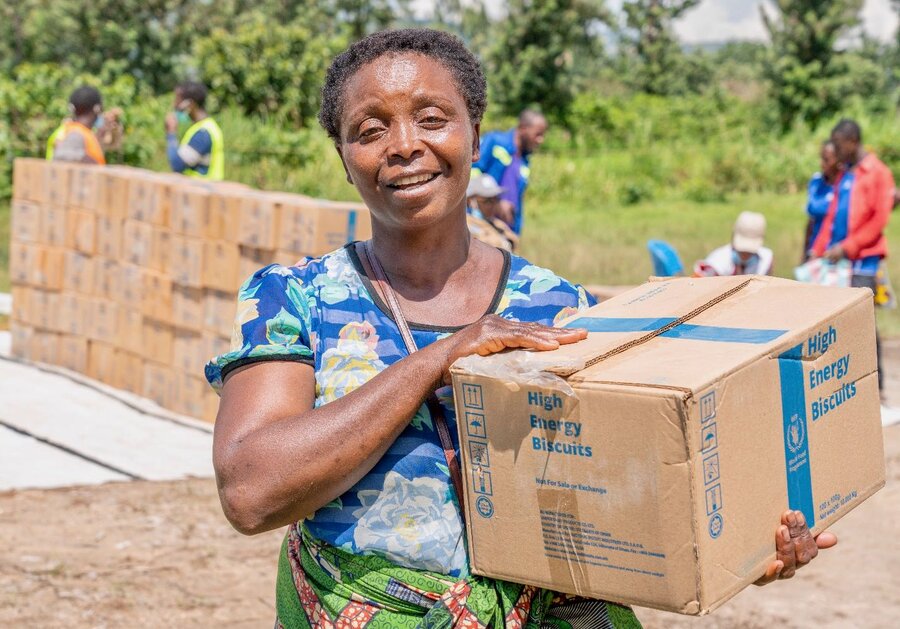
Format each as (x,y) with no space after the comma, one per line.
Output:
(482,204)
(744,255)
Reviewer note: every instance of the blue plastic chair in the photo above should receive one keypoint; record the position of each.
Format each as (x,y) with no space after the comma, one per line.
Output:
(666,262)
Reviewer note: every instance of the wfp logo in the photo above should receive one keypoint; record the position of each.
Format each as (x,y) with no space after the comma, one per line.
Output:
(796,433)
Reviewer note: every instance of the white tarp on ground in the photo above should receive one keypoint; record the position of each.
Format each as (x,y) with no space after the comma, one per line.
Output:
(59,429)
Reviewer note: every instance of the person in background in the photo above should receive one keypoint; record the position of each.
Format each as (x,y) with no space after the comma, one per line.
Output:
(505,156)
(201,152)
(854,227)
(821,192)
(74,139)
(483,195)
(744,255)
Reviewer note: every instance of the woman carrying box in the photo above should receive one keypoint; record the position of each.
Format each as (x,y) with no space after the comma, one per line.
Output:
(336,419)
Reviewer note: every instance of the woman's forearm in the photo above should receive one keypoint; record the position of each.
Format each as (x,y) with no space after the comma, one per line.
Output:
(283,470)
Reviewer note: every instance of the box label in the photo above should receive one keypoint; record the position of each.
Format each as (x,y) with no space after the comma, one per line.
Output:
(796,447)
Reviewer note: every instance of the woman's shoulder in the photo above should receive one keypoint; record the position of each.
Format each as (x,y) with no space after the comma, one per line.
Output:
(538,294)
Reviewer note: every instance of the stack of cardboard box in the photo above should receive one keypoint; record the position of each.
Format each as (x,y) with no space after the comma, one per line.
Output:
(131,276)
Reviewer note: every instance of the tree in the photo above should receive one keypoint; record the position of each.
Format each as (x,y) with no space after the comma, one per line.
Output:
(268,68)
(468,20)
(363,17)
(536,50)
(661,62)
(810,77)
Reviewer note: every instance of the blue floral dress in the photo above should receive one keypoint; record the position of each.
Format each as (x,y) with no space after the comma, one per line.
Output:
(324,312)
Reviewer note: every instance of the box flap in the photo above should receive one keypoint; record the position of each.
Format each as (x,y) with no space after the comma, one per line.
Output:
(689,329)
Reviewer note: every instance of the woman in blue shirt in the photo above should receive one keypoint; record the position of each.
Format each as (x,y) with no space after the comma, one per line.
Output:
(821,193)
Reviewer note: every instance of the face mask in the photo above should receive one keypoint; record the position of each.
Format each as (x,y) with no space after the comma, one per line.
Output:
(98,124)
(182,116)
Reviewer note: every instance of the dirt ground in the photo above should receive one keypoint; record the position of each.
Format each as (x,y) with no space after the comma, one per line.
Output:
(162,555)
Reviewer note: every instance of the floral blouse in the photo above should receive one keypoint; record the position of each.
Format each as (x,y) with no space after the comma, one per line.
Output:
(325,312)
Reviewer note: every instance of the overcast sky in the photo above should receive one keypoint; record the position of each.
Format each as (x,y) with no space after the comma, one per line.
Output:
(723,20)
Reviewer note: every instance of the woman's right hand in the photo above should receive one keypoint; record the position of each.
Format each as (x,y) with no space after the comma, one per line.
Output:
(492,334)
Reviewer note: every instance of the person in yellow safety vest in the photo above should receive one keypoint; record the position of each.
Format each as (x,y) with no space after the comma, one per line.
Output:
(201,152)
(74,139)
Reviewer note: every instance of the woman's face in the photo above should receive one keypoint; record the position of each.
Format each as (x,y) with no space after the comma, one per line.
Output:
(406,140)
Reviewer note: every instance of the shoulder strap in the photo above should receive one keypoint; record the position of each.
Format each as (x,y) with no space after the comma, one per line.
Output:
(434,407)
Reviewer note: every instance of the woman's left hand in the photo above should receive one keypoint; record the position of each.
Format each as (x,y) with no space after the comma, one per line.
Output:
(795,547)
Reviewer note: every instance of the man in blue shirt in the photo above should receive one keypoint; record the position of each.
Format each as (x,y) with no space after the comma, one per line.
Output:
(505,156)
(201,152)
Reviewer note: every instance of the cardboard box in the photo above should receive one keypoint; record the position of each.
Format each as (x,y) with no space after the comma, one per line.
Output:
(225,203)
(161,248)
(130,286)
(650,464)
(44,347)
(78,274)
(156,295)
(187,352)
(22,260)
(189,393)
(45,311)
(187,308)
(81,231)
(313,227)
(214,345)
(86,188)
(49,267)
(137,240)
(218,312)
(158,339)
(129,372)
(190,210)
(221,265)
(28,179)
(144,204)
(73,353)
(252,260)
(210,405)
(101,363)
(21,336)
(57,176)
(53,225)
(258,226)
(130,333)
(115,191)
(72,315)
(186,261)
(106,278)
(103,324)
(109,237)
(26,221)
(21,296)
(158,383)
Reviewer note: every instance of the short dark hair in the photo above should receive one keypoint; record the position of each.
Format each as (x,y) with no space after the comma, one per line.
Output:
(84,99)
(438,45)
(529,117)
(194,90)
(849,129)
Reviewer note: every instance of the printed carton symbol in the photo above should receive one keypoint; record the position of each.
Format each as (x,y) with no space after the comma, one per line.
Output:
(472,396)
(475,425)
(478,454)
(708,407)
(484,506)
(713,499)
(716,524)
(481,482)
(708,438)
(711,469)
